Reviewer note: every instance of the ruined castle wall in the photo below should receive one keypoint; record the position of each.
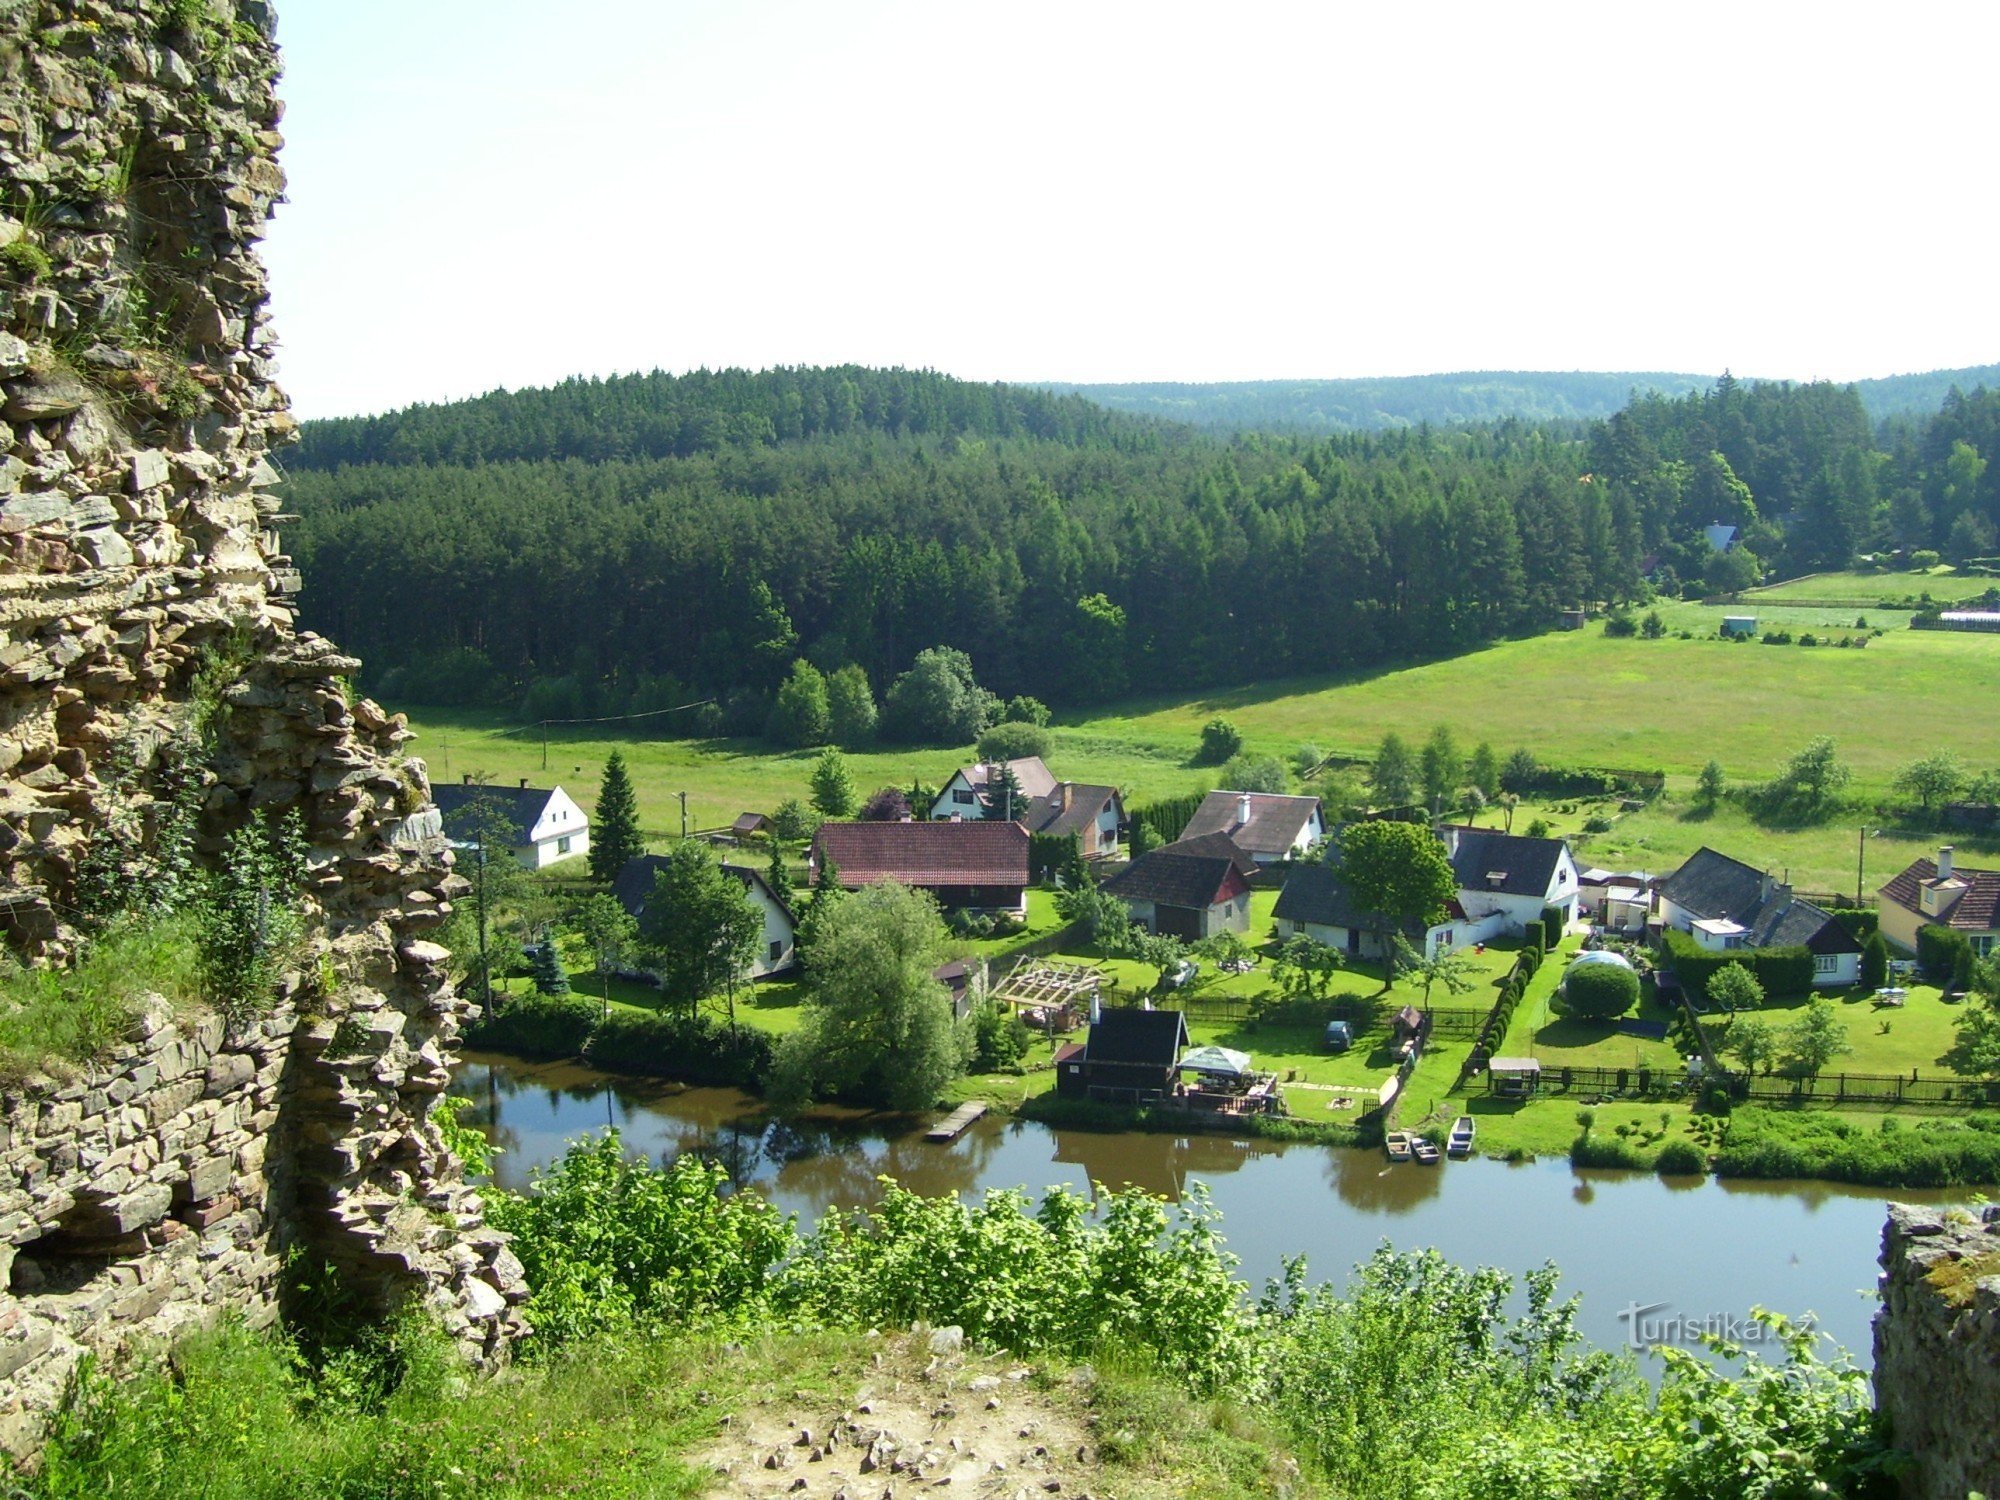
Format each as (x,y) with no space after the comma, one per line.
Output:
(139,547)
(1937,1348)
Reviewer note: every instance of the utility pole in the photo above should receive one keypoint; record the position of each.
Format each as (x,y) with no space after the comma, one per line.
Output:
(479,902)
(1861,865)
(684,813)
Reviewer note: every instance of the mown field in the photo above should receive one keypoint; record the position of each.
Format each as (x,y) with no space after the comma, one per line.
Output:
(1866,588)
(1574,698)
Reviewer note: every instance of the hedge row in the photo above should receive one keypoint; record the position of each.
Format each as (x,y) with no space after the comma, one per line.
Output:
(1168,818)
(1888,1153)
(1784,972)
(694,1049)
(1937,951)
(1494,1031)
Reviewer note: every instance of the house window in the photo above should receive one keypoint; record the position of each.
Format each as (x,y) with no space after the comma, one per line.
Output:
(1982,945)
(1826,963)
(963,796)
(777,949)
(562,844)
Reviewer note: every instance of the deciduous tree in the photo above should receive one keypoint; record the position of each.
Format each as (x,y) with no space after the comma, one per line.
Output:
(700,929)
(1399,875)
(832,787)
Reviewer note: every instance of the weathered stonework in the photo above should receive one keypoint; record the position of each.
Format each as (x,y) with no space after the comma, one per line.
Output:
(139,545)
(1937,1348)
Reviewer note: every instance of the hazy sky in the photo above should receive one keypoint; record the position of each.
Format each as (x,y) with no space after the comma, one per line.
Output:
(493,192)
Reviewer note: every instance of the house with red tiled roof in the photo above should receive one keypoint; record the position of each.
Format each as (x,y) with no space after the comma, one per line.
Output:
(968,866)
(1944,893)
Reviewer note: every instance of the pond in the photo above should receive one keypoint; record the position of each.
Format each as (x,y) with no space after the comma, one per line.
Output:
(1656,1259)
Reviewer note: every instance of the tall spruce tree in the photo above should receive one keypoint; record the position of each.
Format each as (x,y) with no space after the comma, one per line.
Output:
(615,840)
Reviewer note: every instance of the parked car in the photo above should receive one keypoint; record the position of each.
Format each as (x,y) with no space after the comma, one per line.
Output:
(1180,975)
(1339,1036)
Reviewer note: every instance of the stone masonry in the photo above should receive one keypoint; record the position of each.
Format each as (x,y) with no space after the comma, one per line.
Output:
(164,1185)
(1937,1348)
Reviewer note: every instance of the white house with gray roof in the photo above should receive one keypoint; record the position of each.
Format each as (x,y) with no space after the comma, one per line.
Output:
(541,825)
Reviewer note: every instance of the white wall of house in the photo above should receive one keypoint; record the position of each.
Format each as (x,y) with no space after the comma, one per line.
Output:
(1518,913)
(1442,938)
(776,949)
(1106,829)
(562,832)
(958,798)
(1836,970)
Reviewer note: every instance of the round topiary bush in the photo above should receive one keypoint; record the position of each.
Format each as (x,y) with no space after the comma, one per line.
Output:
(1600,992)
(1680,1159)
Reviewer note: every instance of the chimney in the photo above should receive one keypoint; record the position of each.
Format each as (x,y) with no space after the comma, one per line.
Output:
(1062,797)
(524,783)
(468,778)
(1242,809)
(1765,885)
(1944,862)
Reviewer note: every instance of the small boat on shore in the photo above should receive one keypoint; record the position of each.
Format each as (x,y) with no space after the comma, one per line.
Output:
(1459,1142)
(1397,1144)
(1426,1152)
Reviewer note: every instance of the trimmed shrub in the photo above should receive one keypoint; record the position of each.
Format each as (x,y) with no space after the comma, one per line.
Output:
(1784,972)
(1552,926)
(696,1049)
(535,1026)
(1937,951)
(1875,961)
(1600,992)
(1680,1158)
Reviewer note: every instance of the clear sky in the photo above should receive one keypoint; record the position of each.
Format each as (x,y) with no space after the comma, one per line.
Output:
(493,192)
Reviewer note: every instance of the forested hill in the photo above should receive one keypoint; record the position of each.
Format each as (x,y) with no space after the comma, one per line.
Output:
(676,416)
(1321,406)
(608,546)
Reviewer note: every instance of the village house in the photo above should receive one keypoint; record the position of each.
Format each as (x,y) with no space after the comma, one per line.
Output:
(1264,825)
(540,826)
(964,796)
(1510,876)
(967,866)
(1316,903)
(1620,900)
(1944,893)
(776,950)
(1089,814)
(1130,1057)
(1724,904)
(1191,889)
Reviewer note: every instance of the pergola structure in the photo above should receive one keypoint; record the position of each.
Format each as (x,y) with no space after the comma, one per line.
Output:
(1049,994)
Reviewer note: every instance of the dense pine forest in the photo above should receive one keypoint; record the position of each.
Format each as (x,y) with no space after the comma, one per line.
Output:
(624,544)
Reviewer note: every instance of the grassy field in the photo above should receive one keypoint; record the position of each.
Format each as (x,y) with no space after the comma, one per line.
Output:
(1867,588)
(1572,698)
(1886,1039)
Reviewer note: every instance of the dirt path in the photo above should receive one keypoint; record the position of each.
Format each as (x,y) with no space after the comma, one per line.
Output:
(926,1416)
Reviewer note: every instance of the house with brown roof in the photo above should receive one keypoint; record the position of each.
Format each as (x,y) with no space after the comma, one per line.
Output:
(968,866)
(964,796)
(1942,892)
(1266,826)
(1191,889)
(1089,814)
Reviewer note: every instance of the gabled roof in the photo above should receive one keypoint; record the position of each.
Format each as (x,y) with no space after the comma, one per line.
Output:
(1273,827)
(634,883)
(1978,910)
(976,852)
(750,822)
(1069,807)
(520,807)
(1715,888)
(1212,846)
(1149,1038)
(1035,778)
(1505,864)
(1315,894)
(1167,878)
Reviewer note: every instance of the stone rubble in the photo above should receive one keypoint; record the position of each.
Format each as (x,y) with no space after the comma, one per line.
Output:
(139,544)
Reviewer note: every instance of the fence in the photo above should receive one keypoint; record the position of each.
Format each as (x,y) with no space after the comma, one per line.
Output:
(1867,1088)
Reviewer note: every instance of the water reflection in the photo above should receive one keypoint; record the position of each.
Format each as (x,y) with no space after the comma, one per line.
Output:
(1693,1245)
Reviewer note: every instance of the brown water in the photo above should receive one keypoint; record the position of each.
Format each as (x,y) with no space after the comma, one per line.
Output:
(1701,1251)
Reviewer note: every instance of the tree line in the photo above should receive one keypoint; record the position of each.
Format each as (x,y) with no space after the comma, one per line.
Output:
(563,552)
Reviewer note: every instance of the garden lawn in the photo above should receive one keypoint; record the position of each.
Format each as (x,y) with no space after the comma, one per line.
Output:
(1886,1039)
(1558,1041)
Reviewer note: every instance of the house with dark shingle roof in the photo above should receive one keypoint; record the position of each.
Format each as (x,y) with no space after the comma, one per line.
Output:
(1316,903)
(540,826)
(1130,1057)
(1089,814)
(1944,893)
(1724,904)
(1510,875)
(1264,825)
(778,950)
(968,866)
(1192,889)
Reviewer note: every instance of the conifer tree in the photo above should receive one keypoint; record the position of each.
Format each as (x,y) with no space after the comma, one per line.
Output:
(550,976)
(615,841)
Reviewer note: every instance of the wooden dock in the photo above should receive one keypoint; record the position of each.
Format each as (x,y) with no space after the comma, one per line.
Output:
(955,1124)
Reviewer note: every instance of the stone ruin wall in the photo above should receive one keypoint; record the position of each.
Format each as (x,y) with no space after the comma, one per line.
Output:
(1937,1348)
(138,530)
